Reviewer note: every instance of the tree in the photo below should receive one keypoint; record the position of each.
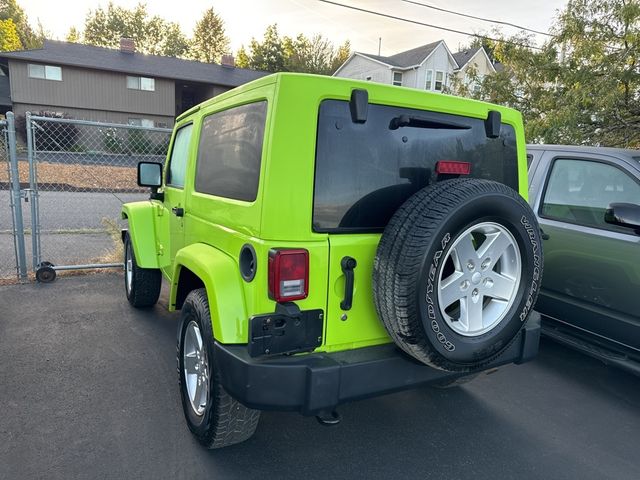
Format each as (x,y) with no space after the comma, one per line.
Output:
(583,85)
(9,39)
(209,41)
(10,10)
(74,35)
(599,64)
(341,55)
(152,35)
(267,55)
(300,54)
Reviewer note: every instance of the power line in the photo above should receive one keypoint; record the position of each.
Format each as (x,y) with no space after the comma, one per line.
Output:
(433,7)
(393,17)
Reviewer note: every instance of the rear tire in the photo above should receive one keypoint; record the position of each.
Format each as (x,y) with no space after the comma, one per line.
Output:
(142,285)
(214,417)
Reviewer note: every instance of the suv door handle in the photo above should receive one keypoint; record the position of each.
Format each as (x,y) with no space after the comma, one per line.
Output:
(347,264)
(544,236)
(178,212)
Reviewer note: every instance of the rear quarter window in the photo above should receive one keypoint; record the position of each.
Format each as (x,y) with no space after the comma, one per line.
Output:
(364,172)
(230,152)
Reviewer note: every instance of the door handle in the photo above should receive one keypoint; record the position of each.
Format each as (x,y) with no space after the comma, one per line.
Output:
(178,211)
(347,264)
(544,236)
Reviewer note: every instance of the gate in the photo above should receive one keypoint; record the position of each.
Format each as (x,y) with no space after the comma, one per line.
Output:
(80,173)
(10,190)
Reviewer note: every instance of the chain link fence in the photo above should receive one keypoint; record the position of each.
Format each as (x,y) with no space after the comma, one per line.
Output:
(8,245)
(12,245)
(80,173)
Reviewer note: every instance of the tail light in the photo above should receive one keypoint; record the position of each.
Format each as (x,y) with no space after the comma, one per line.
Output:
(288,274)
(452,167)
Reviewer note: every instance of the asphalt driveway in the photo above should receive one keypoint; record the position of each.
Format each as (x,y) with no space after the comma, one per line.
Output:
(88,389)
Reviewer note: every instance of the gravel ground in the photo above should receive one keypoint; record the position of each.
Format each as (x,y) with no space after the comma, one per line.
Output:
(89,390)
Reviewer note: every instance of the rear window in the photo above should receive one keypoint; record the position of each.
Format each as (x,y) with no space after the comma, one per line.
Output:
(230,151)
(364,172)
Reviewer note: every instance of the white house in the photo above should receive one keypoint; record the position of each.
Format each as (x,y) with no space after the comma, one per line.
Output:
(476,59)
(428,67)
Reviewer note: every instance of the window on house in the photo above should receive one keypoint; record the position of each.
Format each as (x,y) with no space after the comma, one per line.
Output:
(141,122)
(397,78)
(141,83)
(439,81)
(429,81)
(47,72)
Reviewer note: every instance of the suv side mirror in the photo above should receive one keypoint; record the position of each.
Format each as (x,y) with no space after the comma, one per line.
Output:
(623,215)
(150,174)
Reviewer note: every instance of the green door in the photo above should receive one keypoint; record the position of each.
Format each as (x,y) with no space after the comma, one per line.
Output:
(172,215)
(356,325)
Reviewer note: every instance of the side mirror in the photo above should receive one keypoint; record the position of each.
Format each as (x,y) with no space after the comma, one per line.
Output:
(624,215)
(150,174)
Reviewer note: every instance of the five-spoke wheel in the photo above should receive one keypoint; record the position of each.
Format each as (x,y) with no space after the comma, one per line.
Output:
(481,273)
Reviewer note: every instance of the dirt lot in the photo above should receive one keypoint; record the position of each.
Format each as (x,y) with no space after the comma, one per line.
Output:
(89,390)
(74,177)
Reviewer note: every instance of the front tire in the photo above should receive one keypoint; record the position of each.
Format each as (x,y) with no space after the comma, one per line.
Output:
(142,285)
(214,417)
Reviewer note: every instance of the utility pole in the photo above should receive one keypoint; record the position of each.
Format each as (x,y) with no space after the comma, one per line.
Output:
(379,45)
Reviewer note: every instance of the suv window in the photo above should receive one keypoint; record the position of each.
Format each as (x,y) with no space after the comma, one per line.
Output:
(179,155)
(364,172)
(230,152)
(579,191)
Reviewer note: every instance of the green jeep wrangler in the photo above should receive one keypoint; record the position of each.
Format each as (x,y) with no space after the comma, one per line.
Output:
(328,240)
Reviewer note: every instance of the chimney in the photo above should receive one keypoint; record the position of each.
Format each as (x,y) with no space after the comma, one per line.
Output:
(228,61)
(127,45)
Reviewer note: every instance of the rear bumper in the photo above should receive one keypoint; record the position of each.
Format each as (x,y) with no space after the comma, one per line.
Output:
(321,381)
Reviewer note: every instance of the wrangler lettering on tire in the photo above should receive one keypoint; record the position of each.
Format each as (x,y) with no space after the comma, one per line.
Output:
(456,273)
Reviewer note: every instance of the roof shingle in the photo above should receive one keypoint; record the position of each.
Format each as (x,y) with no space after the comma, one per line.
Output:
(408,58)
(464,56)
(88,56)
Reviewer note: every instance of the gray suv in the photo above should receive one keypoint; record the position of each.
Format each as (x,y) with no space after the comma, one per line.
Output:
(587,201)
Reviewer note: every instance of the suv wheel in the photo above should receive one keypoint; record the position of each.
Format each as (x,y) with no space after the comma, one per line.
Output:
(142,285)
(214,417)
(457,272)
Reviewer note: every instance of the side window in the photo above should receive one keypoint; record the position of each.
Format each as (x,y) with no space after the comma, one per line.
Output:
(439,81)
(230,152)
(429,80)
(179,157)
(579,191)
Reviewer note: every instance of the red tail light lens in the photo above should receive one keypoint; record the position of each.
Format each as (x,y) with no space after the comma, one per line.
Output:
(288,274)
(451,167)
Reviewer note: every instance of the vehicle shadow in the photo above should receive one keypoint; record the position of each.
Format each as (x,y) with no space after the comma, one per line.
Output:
(417,434)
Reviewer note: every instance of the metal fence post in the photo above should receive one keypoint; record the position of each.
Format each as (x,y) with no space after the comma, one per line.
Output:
(33,193)
(16,205)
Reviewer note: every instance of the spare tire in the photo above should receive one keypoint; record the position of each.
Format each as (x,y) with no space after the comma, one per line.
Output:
(457,272)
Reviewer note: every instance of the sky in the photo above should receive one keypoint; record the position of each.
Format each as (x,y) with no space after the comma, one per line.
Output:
(245,19)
